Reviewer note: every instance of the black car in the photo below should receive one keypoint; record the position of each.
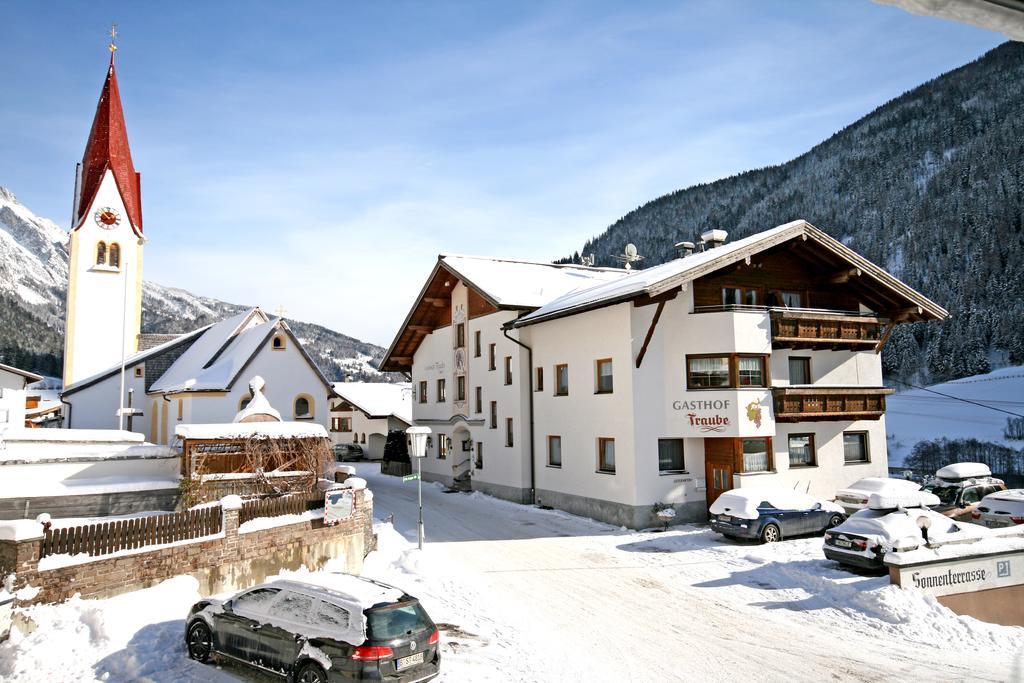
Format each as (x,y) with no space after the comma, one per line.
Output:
(347,452)
(330,627)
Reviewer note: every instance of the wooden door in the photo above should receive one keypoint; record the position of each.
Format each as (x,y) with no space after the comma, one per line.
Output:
(718,466)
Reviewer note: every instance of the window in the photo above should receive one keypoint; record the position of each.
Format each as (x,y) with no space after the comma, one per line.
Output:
(670,455)
(739,296)
(243,402)
(509,441)
(138,371)
(460,335)
(799,370)
(440,391)
(460,388)
(303,406)
(490,357)
(604,376)
(707,373)
(561,380)
(479,400)
(442,446)
(726,371)
(801,450)
(344,424)
(476,344)
(494,414)
(508,370)
(114,257)
(750,371)
(756,455)
(255,601)
(479,455)
(791,299)
(294,607)
(606,455)
(101,254)
(539,384)
(278,343)
(423,391)
(332,615)
(554,451)
(971,495)
(181,409)
(855,446)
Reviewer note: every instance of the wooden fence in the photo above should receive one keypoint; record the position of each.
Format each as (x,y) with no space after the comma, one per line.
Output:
(282,505)
(126,534)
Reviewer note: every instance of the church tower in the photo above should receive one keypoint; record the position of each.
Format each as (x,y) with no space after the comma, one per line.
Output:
(104,301)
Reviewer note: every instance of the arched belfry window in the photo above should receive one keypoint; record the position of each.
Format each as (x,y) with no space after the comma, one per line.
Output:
(114,259)
(278,343)
(101,254)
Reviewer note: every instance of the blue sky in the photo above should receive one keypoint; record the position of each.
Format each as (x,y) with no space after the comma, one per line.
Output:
(318,156)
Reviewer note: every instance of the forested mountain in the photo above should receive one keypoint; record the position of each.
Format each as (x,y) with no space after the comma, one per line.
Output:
(930,185)
(33,282)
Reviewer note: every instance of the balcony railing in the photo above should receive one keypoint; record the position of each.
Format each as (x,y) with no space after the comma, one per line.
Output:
(814,328)
(811,404)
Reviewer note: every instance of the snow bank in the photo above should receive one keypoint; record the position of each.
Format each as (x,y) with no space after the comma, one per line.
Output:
(20,530)
(249,430)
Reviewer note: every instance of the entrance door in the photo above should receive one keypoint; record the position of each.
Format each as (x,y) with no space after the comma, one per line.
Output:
(718,466)
(719,480)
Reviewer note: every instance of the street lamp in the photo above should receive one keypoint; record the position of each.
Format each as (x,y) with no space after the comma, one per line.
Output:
(418,436)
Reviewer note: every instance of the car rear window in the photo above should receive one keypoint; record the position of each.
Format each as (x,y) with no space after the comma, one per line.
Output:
(386,623)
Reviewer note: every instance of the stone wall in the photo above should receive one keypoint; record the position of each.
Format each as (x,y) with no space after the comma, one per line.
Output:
(230,561)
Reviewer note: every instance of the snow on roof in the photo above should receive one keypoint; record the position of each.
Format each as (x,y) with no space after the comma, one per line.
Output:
(637,282)
(358,590)
(136,358)
(29,376)
(891,500)
(963,470)
(528,284)
(258,404)
(378,399)
(744,502)
(212,362)
(881,484)
(247,430)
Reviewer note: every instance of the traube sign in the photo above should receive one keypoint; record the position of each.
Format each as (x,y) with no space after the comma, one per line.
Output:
(722,413)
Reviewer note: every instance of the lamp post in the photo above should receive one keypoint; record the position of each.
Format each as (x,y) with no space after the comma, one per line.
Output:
(418,436)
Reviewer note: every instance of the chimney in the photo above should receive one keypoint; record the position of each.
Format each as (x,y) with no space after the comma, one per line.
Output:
(714,238)
(684,249)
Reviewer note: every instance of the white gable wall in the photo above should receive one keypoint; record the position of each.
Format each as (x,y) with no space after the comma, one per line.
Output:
(12,400)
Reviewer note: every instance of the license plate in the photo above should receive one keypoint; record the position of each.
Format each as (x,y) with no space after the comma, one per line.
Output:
(411,660)
(724,518)
(843,544)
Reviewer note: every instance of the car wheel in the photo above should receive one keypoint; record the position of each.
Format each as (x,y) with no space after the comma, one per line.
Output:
(310,673)
(771,533)
(834,520)
(199,642)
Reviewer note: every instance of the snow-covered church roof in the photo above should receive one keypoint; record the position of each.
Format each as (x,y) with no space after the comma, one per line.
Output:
(215,355)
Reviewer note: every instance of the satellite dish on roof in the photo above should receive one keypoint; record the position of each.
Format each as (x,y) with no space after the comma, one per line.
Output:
(629,256)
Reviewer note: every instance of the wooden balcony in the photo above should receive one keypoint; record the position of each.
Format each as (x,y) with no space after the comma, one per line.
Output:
(812,404)
(809,329)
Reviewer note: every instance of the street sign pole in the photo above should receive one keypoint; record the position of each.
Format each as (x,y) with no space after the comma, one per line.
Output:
(419,492)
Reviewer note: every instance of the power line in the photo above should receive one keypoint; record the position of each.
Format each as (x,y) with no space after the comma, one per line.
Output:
(957,398)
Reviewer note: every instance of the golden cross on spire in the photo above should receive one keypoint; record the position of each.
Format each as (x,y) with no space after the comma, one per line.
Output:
(113,40)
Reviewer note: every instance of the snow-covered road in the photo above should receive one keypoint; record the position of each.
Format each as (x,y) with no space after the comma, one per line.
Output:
(528,595)
(561,598)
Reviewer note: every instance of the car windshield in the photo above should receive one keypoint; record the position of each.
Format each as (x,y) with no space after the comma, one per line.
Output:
(387,623)
(946,494)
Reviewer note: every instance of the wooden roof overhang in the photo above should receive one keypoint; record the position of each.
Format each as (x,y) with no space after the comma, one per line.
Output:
(433,310)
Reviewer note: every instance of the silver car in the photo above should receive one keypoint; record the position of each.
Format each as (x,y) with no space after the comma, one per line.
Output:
(1002,508)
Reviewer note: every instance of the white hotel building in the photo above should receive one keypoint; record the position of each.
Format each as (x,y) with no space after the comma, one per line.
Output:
(603,391)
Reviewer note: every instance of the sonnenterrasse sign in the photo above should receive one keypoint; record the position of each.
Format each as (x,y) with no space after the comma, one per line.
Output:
(950,577)
(745,412)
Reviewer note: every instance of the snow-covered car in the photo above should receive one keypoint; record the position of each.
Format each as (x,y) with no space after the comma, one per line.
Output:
(855,497)
(770,514)
(893,523)
(1004,508)
(327,627)
(960,488)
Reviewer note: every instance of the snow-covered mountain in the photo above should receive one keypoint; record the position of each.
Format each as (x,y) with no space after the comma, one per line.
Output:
(33,283)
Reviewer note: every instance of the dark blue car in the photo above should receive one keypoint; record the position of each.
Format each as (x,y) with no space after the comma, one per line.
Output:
(771,514)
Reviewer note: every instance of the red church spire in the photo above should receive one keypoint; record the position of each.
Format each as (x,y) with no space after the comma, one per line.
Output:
(108,149)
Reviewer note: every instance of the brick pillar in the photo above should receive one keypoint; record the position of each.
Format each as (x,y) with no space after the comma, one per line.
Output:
(231,506)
